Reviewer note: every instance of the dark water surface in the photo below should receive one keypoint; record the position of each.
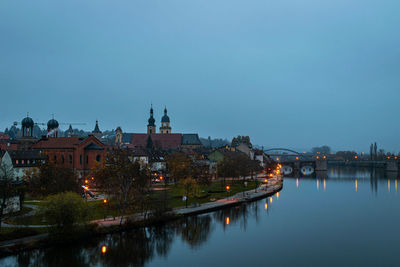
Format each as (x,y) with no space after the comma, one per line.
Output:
(351,218)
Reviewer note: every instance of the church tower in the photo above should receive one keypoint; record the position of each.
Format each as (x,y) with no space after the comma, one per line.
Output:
(165,125)
(151,127)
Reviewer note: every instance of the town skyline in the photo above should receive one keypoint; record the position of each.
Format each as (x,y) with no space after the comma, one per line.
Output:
(88,127)
(295,75)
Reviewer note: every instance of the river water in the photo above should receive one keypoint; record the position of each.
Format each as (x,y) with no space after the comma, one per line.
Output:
(349,218)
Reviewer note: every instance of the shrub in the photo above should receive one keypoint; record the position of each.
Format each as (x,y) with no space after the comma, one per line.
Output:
(66,212)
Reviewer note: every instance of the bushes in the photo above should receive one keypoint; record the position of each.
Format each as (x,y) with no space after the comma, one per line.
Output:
(66,212)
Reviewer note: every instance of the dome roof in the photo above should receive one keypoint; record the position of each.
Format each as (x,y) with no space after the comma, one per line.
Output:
(118,129)
(52,124)
(27,122)
(165,118)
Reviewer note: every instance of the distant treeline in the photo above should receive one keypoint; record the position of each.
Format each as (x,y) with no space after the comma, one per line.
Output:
(214,143)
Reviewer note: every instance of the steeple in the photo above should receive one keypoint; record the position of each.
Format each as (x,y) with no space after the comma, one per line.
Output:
(151,127)
(96,132)
(96,128)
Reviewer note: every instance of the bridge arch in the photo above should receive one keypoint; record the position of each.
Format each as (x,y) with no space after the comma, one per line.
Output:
(282,149)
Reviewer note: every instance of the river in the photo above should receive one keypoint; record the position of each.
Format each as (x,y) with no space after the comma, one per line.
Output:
(350,218)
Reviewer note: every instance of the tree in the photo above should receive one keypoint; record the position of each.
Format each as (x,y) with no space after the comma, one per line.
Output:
(124,180)
(8,188)
(226,168)
(243,165)
(189,188)
(64,211)
(50,179)
(200,173)
(179,165)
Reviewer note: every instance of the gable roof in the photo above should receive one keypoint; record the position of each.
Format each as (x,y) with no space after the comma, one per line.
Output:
(93,146)
(58,142)
(164,141)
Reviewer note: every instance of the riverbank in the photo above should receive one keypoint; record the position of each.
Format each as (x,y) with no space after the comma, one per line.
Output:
(102,226)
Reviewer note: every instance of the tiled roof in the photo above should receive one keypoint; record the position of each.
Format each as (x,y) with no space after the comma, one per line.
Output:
(190,139)
(4,136)
(8,146)
(164,141)
(25,154)
(58,143)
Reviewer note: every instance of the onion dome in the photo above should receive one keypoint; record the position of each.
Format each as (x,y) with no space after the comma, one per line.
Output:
(27,122)
(152,121)
(165,118)
(118,129)
(52,124)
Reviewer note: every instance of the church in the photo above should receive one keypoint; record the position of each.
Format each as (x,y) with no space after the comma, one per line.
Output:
(165,139)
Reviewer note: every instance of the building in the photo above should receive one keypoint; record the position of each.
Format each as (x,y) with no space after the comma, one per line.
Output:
(19,161)
(190,141)
(165,140)
(78,153)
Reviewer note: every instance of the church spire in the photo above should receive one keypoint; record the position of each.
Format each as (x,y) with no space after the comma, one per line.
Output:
(151,127)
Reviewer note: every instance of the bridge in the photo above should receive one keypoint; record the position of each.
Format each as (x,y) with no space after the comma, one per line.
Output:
(297,163)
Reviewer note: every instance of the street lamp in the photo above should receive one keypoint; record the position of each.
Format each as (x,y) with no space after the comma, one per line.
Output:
(104,202)
(227,190)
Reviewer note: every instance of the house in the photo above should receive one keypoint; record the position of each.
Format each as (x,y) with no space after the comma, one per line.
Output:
(20,161)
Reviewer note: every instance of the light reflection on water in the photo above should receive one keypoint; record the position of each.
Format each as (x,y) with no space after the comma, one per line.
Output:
(352,221)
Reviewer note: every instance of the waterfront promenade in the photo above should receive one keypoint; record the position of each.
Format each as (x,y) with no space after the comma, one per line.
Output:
(273,186)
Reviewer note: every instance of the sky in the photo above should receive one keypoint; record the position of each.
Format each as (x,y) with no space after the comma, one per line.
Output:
(288,73)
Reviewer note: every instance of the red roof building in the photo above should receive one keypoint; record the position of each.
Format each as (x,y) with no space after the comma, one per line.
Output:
(78,153)
(163,141)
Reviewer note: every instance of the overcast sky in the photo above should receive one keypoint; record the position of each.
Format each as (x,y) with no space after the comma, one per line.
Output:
(288,73)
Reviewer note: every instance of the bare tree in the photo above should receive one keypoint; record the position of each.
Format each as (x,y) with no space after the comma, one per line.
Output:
(7,187)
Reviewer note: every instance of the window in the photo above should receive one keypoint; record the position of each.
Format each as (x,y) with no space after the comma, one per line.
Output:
(23,162)
(62,159)
(80,159)
(16,161)
(98,158)
(55,159)
(87,159)
(70,159)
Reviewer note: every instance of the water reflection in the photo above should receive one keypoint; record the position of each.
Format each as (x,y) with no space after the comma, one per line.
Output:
(156,244)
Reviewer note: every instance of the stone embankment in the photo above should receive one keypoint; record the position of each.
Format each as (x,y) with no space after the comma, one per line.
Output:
(273,186)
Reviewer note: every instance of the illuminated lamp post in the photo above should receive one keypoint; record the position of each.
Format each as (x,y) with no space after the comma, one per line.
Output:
(104,202)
